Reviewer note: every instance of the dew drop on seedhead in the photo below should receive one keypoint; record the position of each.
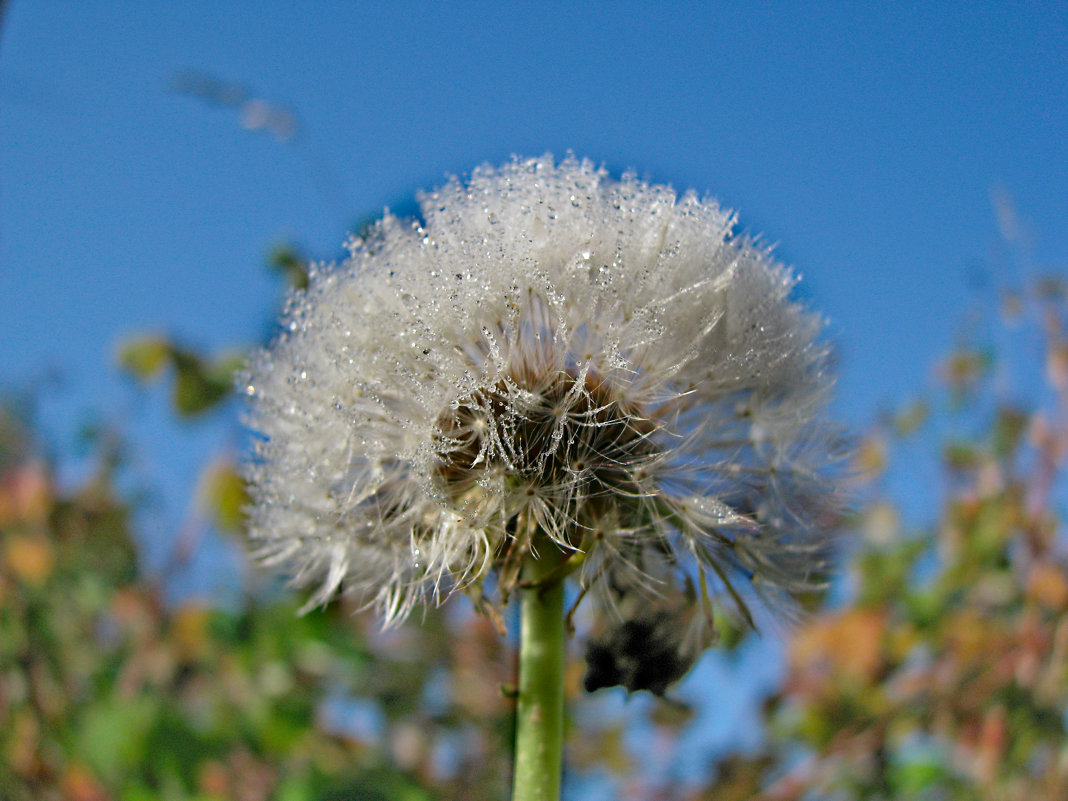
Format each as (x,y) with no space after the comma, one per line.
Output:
(492,342)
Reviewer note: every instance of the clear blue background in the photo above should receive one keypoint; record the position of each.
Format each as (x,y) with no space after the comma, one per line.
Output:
(866,139)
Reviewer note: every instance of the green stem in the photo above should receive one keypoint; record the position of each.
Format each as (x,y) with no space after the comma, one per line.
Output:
(539,737)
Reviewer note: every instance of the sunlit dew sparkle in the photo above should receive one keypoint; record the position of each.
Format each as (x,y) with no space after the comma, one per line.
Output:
(556,351)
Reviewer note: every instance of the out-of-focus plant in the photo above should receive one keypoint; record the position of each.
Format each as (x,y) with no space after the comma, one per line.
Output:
(199,384)
(946,676)
(112,693)
(108,693)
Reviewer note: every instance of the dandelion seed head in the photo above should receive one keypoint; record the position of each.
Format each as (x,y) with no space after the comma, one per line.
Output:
(602,361)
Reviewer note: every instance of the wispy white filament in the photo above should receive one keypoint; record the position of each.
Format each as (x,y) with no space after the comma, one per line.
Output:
(600,358)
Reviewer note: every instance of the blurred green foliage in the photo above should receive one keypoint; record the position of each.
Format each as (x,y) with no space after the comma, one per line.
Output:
(287,261)
(943,676)
(200,384)
(946,675)
(108,693)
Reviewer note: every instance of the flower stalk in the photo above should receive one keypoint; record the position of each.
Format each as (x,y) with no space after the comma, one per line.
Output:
(540,701)
(551,376)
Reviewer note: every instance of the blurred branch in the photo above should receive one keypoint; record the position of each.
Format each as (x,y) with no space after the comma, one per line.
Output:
(257,114)
(254,113)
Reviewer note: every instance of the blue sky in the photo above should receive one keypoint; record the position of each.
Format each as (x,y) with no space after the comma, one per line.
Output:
(865,139)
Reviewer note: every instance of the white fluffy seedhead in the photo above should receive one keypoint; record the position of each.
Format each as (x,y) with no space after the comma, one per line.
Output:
(552,350)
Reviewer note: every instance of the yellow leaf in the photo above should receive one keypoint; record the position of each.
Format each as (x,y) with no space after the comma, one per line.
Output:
(30,558)
(189,627)
(1047,585)
(144,357)
(226,497)
(870,457)
(849,643)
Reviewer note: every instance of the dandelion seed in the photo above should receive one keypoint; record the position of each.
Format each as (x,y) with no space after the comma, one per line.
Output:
(601,361)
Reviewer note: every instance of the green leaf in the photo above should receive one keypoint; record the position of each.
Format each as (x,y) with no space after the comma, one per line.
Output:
(229,497)
(198,388)
(291,264)
(910,419)
(295,788)
(912,776)
(144,357)
(112,736)
(1009,429)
